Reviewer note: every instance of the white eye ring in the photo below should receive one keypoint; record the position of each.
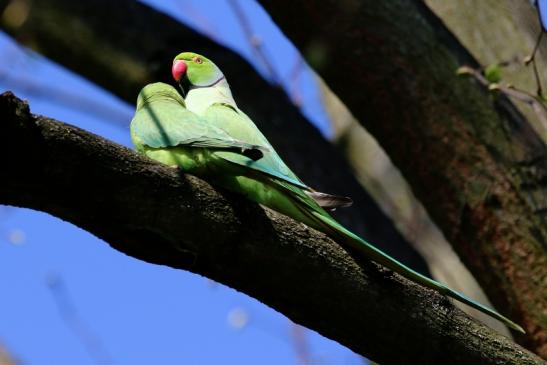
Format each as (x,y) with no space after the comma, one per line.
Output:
(198,60)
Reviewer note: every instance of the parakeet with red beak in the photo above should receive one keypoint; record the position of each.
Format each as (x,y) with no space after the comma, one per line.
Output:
(164,130)
(269,181)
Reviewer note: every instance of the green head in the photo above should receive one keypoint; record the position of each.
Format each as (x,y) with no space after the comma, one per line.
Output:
(158,90)
(192,69)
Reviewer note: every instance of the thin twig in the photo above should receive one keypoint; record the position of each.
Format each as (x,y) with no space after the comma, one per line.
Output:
(294,77)
(69,314)
(535,101)
(205,25)
(254,41)
(532,59)
(300,344)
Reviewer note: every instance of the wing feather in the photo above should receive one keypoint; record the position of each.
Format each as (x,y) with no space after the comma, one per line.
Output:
(166,123)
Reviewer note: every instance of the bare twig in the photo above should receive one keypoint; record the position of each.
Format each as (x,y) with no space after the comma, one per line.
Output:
(294,78)
(532,59)
(535,101)
(254,41)
(205,25)
(300,342)
(67,310)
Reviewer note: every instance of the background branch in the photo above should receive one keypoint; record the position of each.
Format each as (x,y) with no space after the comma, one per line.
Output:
(153,213)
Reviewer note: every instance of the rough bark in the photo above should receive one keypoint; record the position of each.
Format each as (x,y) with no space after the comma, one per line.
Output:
(135,45)
(155,214)
(475,163)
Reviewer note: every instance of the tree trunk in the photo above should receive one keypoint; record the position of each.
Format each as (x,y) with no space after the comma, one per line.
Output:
(475,163)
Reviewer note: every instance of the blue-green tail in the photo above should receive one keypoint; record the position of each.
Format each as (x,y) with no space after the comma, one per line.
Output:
(321,220)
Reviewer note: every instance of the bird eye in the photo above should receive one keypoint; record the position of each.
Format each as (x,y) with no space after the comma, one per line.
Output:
(198,60)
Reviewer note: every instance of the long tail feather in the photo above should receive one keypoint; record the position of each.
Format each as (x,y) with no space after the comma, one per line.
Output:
(319,219)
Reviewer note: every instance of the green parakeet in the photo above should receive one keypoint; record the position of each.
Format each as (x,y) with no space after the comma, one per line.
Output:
(267,180)
(165,130)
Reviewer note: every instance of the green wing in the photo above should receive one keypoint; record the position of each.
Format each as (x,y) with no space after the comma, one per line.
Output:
(240,126)
(162,120)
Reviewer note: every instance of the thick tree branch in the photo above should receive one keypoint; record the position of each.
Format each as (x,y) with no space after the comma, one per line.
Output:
(135,45)
(477,166)
(156,214)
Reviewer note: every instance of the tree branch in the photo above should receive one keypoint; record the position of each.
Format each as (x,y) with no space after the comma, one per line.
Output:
(476,165)
(155,214)
(136,44)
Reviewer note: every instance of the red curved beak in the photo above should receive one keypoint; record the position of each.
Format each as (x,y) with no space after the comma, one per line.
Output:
(179,69)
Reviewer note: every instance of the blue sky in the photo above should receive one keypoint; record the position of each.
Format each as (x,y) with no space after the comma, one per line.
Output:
(68,298)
